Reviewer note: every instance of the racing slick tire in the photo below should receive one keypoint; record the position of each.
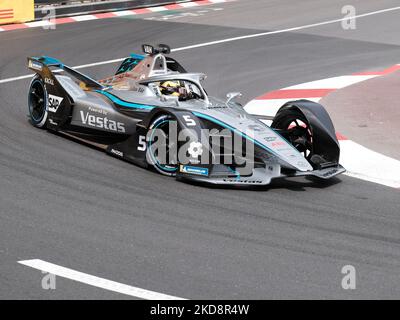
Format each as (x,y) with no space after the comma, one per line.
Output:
(297,130)
(309,128)
(161,122)
(38,102)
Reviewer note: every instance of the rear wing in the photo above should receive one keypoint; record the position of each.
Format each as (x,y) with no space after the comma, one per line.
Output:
(42,65)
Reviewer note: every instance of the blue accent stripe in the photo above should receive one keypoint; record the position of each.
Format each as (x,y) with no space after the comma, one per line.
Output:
(137,56)
(124,103)
(49,60)
(223,124)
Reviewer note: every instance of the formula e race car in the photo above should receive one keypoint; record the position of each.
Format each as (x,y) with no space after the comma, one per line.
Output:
(155,114)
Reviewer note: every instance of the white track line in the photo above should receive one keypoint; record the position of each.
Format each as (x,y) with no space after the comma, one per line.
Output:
(205,44)
(85,17)
(41,23)
(96,281)
(27,76)
(365,164)
(188,4)
(157,9)
(269,107)
(332,83)
(307,26)
(124,13)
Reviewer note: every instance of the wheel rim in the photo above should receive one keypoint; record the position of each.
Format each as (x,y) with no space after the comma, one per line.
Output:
(162,124)
(300,135)
(298,132)
(37,101)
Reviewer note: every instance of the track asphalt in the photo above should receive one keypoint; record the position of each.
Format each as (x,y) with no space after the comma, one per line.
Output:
(74,206)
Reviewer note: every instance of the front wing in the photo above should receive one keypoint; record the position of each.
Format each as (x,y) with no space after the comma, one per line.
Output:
(260,175)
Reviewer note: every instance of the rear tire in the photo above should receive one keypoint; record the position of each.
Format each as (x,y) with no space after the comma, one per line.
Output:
(38,102)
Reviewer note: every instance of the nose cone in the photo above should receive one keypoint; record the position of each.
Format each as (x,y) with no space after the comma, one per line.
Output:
(233,117)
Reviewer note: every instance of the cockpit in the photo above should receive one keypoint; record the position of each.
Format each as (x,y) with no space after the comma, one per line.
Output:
(181,89)
(166,78)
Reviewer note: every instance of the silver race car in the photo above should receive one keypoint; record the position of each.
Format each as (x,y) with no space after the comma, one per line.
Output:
(155,114)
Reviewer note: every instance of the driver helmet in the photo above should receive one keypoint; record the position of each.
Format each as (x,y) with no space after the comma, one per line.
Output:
(173,88)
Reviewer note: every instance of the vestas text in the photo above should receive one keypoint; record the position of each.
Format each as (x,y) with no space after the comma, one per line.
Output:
(103,123)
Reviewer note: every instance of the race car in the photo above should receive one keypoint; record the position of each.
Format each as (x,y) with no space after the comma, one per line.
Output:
(155,114)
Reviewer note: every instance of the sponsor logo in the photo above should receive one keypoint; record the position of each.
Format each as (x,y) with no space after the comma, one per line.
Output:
(217,106)
(194,170)
(98,110)
(117,152)
(35,65)
(52,122)
(269,139)
(330,173)
(278,144)
(54,102)
(49,81)
(242,181)
(138,89)
(256,127)
(102,122)
(195,149)
(148,49)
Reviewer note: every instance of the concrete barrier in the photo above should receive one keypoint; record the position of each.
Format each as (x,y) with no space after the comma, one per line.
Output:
(16,11)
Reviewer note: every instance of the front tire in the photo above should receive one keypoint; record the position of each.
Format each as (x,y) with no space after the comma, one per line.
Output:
(153,157)
(38,102)
(296,129)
